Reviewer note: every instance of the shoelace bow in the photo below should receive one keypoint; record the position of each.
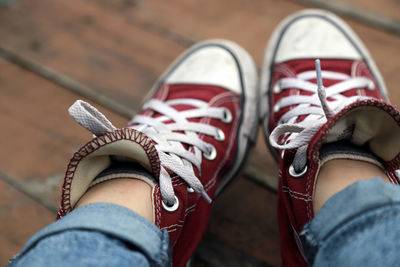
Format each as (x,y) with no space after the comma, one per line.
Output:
(169,137)
(316,107)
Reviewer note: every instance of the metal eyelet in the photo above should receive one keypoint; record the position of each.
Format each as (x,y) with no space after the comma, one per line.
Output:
(172,208)
(227,118)
(220,135)
(371,85)
(294,174)
(190,190)
(277,88)
(211,153)
(277,108)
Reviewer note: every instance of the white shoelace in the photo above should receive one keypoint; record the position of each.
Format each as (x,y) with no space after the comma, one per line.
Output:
(169,137)
(316,107)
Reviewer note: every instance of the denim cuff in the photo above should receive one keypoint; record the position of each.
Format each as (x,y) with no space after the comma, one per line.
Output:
(116,221)
(360,206)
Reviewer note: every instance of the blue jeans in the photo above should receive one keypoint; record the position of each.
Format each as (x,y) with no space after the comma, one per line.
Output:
(97,235)
(358,226)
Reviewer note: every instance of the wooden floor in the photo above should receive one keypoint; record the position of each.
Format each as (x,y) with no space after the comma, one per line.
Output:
(110,53)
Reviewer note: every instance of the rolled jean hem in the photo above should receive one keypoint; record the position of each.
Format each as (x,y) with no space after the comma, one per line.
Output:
(353,205)
(115,221)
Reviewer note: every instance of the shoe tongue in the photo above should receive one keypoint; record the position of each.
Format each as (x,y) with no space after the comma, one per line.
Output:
(301,65)
(333,65)
(200,92)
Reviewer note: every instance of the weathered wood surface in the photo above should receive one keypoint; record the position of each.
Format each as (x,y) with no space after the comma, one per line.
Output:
(118,49)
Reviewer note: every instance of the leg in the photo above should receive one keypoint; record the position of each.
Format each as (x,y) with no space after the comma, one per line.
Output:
(189,139)
(186,144)
(336,175)
(325,112)
(100,234)
(358,226)
(133,194)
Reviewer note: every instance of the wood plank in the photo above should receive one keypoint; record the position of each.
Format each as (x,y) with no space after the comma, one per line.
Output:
(144,17)
(40,140)
(387,8)
(89,43)
(20,218)
(102,26)
(40,136)
(364,14)
(244,218)
(250,25)
(119,48)
(384,48)
(99,49)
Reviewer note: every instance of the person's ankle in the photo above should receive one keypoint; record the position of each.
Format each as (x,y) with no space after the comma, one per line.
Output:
(133,194)
(335,175)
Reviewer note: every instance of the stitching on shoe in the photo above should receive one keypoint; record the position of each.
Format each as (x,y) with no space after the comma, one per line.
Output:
(284,70)
(97,143)
(219,101)
(158,206)
(181,222)
(174,225)
(177,181)
(295,192)
(358,67)
(308,185)
(296,197)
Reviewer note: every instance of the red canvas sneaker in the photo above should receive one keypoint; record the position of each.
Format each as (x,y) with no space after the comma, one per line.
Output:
(308,124)
(192,134)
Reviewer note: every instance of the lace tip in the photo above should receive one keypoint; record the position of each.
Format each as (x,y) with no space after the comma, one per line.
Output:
(206,197)
(318,70)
